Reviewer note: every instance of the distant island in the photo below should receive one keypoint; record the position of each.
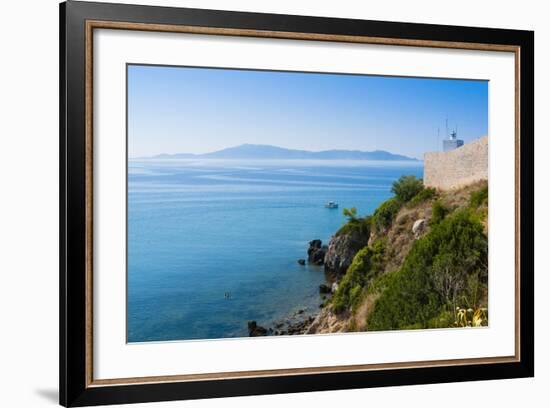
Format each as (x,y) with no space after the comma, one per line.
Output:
(267,152)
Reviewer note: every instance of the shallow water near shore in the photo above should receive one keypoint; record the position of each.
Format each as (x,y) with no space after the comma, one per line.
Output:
(213,244)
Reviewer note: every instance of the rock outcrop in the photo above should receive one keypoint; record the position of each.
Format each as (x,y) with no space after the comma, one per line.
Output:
(254,330)
(418,227)
(316,252)
(341,250)
(324,288)
(327,322)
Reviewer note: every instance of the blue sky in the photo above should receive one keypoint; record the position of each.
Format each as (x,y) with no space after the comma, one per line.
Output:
(199,110)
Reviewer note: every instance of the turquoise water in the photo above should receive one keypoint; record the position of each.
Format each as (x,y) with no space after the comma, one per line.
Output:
(201,229)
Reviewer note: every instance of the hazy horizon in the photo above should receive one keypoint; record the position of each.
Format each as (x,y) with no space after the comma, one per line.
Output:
(257,145)
(175,110)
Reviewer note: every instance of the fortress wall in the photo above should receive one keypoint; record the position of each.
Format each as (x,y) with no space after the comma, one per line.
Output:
(459,167)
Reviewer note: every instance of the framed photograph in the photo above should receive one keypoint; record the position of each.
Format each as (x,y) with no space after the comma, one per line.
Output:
(256,203)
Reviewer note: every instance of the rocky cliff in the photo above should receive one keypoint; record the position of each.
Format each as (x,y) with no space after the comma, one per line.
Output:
(316,252)
(362,264)
(341,249)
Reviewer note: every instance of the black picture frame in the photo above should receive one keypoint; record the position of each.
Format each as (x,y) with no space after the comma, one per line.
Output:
(75,389)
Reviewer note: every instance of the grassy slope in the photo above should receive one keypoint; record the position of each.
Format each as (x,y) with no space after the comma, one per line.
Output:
(391,285)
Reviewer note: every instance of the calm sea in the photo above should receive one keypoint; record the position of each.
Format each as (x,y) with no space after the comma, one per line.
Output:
(213,244)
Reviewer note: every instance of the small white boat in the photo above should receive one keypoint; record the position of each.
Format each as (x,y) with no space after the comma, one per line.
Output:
(331,204)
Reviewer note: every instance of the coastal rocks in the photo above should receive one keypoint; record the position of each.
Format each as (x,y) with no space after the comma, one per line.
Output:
(316,252)
(323,288)
(327,322)
(302,261)
(328,289)
(254,330)
(418,227)
(314,244)
(299,327)
(341,250)
(295,323)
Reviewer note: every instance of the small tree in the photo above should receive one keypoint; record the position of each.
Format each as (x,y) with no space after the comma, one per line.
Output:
(407,187)
(351,214)
(361,225)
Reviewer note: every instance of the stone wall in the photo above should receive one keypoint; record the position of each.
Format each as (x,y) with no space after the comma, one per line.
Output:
(459,167)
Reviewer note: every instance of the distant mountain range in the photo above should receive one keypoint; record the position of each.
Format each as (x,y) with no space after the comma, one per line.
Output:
(260,152)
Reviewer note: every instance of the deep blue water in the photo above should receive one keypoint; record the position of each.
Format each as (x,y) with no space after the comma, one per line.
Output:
(200,229)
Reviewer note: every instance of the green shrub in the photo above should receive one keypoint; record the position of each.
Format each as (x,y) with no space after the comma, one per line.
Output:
(383,216)
(406,188)
(360,225)
(367,263)
(434,275)
(381,282)
(445,319)
(479,197)
(439,211)
(424,195)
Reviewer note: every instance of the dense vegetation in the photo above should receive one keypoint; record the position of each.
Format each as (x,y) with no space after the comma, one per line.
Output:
(385,214)
(445,268)
(406,188)
(367,264)
(442,280)
(480,197)
(439,211)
